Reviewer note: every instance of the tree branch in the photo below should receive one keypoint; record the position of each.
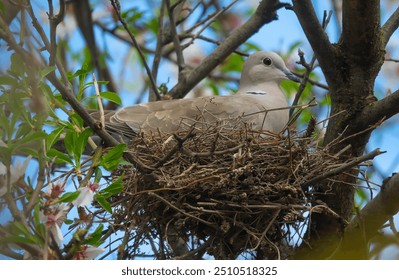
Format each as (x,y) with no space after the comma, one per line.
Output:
(54,21)
(11,10)
(176,41)
(136,44)
(377,111)
(308,66)
(318,39)
(158,50)
(83,16)
(210,20)
(36,24)
(390,26)
(342,168)
(69,97)
(265,13)
(369,220)
(361,33)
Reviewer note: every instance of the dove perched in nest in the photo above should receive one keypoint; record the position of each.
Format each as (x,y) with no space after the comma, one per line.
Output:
(259,102)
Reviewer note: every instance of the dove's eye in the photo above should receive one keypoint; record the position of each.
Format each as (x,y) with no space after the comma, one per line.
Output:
(267,61)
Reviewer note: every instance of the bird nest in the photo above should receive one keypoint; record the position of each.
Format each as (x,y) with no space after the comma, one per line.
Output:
(220,191)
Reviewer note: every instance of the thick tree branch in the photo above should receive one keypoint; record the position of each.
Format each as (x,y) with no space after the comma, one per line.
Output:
(390,26)
(265,13)
(350,76)
(361,32)
(377,111)
(369,220)
(317,37)
(359,62)
(11,9)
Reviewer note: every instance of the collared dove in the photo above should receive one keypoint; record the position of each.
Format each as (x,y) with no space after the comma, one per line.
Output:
(259,91)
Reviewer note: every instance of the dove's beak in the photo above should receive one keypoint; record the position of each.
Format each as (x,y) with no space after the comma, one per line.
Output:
(292,76)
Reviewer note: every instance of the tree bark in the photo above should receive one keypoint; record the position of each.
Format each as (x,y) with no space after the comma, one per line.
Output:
(369,220)
(350,68)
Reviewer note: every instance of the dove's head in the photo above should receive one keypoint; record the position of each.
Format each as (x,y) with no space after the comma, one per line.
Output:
(265,67)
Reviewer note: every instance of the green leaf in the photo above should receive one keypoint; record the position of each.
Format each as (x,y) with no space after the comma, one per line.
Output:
(44,72)
(68,222)
(214,88)
(152,24)
(6,127)
(69,196)
(132,15)
(18,239)
(89,84)
(39,226)
(250,47)
(76,119)
(103,202)
(115,188)
(36,214)
(23,234)
(53,137)
(98,174)
(5,155)
(361,197)
(59,156)
(2,9)
(69,141)
(38,135)
(82,72)
(81,143)
(23,130)
(111,96)
(94,238)
(112,159)
(17,66)
(233,64)
(7,80)
(19,228)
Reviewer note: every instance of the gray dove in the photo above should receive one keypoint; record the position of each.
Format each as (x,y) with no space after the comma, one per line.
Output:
(259,101)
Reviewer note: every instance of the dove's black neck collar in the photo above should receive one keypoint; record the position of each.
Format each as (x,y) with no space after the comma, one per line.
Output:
(257,92)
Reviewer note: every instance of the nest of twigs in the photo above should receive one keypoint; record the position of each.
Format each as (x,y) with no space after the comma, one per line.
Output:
(220,191)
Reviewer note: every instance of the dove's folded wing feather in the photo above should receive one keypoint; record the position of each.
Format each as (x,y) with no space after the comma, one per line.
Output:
(258,97)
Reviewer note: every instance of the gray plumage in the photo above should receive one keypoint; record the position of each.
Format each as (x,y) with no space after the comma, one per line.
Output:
(259,91)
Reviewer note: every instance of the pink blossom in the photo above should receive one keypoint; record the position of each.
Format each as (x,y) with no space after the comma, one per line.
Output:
(17,171)
(54,220)
(54,190)
(86,195)
(87,252)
